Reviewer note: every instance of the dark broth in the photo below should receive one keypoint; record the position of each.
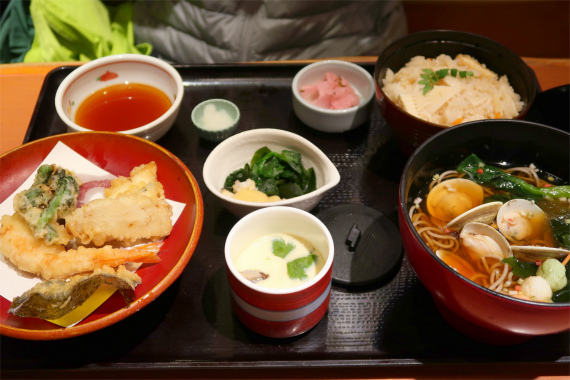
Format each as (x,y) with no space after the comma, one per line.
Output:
(122,107)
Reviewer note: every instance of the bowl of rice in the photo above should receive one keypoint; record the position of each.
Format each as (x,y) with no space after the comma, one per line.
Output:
(429,81)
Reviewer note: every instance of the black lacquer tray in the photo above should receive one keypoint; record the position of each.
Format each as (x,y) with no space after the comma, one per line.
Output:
(391,327)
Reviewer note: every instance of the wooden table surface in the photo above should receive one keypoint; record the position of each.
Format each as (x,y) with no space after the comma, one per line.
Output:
(20,85)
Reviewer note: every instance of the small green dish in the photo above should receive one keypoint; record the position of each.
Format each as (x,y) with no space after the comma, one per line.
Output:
(216,119)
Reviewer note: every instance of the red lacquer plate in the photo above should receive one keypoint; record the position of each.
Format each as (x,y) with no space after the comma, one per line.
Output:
(117,154)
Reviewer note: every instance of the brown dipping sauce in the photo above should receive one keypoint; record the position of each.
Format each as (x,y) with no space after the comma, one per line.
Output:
(122,107)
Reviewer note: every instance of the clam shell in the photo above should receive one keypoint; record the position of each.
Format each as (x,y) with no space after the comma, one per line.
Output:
(521,207)
(450,198)
(484,213)
(531,253)
(476,228)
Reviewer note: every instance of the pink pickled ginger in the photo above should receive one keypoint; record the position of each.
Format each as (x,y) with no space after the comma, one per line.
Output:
(333,93)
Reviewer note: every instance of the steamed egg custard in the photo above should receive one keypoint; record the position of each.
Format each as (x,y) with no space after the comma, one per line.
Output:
(279,261)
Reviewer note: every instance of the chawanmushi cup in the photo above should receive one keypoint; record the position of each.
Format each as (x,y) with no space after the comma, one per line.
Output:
(280,313)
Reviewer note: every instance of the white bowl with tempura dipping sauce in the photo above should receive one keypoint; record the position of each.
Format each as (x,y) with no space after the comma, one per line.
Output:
(127,93)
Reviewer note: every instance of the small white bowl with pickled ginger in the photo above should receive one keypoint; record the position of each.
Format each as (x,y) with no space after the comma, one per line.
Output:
(333,96)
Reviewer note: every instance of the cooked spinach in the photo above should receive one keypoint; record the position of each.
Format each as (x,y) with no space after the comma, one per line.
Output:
(521,268)
(561,231)
(238,175)
(274,173)
(493,177)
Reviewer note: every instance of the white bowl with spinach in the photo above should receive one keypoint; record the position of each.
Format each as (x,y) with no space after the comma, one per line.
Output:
(300,173)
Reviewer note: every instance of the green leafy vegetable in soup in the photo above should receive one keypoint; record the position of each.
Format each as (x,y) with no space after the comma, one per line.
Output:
(521,268)
(561,231)
(493,177)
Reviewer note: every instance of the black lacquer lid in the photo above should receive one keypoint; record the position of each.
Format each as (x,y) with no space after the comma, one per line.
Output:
(368,246)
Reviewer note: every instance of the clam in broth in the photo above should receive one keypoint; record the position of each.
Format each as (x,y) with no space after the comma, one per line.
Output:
(480,240)
(451,198)
(520,221)
(527,227)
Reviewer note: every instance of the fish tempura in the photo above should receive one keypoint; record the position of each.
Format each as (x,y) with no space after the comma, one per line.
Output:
(133,208)
(126,218)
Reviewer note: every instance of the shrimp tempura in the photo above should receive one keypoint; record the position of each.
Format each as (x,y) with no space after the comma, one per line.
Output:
(31,254)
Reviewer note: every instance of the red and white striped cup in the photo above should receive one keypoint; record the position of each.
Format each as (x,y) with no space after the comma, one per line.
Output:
(280,313)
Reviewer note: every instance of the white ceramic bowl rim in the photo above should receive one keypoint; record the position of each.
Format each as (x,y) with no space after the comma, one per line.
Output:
(366,98)
(79,71)
(283,202)
(270,210)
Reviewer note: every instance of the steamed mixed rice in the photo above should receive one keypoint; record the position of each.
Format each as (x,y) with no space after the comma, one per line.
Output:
(453,100)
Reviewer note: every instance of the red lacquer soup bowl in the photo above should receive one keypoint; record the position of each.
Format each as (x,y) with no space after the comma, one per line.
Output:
(118,154)
(274,311)
(471,308)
